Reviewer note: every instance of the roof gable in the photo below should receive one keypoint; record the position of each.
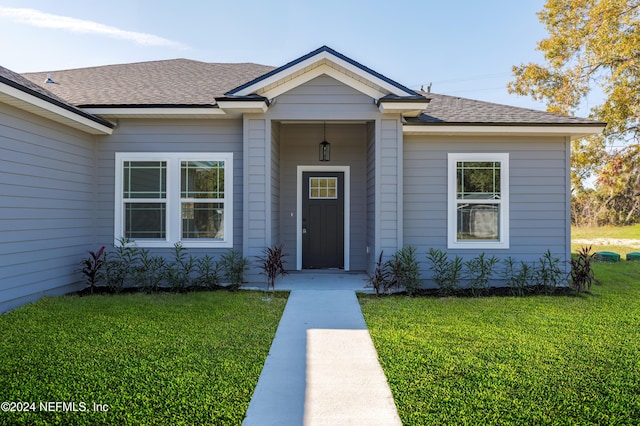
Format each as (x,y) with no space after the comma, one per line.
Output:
(322,61)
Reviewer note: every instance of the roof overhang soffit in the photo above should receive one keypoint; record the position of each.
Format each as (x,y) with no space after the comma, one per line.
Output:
(40,107)
(408,107)
(257,105)
(158,112)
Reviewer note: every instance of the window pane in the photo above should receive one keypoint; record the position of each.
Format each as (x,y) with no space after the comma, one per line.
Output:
(478,221)
(323,188)
(478,180)
(203,220)
(202,179)
(145,220)
(145,179)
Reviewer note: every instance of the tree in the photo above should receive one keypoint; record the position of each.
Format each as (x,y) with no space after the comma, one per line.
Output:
(591,43)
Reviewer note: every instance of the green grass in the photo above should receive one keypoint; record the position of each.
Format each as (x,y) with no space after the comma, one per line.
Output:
(503,360)
(630,232)
(609,232)
(153,359)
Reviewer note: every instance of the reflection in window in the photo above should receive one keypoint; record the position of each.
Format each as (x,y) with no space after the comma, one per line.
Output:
(202,193)
(144,194)
(478,200)
(203,220)
(164,198)
(478,221)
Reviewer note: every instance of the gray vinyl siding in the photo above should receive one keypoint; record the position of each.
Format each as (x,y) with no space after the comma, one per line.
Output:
(538,194)
(323,98)
(147,135)
(275,183)
(257,188)
(389,187)
(47,209)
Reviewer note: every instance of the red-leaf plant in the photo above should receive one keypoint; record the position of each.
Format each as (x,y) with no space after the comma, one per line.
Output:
(91,267)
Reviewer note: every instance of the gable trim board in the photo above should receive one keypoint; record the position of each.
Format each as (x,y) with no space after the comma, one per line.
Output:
(391,143)
(328,59)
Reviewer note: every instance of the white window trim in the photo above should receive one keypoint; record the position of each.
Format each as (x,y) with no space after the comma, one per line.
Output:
(452,242)
(327,197)
(173,199)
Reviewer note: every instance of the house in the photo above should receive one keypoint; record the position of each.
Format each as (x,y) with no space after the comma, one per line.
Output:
(324,154)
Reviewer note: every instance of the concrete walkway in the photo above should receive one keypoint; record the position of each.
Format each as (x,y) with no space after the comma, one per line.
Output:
(322,368)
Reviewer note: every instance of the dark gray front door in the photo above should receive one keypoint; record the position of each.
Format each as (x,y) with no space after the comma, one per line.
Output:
(322,220)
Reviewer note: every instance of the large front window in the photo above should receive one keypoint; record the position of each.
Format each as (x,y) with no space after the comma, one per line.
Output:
(478,201)
(164,198)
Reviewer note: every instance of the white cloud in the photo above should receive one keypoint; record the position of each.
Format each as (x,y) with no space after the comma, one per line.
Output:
(47,20)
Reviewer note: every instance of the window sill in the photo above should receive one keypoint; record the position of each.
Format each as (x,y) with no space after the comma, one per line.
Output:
(485,245)
(184,243)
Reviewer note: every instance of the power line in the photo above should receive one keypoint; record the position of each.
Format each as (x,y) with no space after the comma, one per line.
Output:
(473,78)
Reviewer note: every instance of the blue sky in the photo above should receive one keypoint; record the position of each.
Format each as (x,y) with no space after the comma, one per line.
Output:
(465,47)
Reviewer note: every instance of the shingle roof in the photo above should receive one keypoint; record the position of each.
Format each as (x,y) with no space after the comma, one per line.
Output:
(448,110)
(23,84)
(169,82)
(184,82)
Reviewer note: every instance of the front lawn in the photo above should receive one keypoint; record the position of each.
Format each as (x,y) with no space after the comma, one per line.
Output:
(618,239)
(505,360)
(152,359)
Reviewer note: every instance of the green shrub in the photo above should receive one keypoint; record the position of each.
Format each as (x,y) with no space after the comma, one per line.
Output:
(479,272)
(548,274)
(405,270)
(119,266)
(207,272)
(446,273)
(518,280)
(149,272)
(179,270)
(233,267)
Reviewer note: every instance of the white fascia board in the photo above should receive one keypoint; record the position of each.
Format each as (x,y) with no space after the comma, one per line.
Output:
(258,106)
(53,112)
(574,132)
(205,112)
(317,72)
(284,74)
(408,109)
